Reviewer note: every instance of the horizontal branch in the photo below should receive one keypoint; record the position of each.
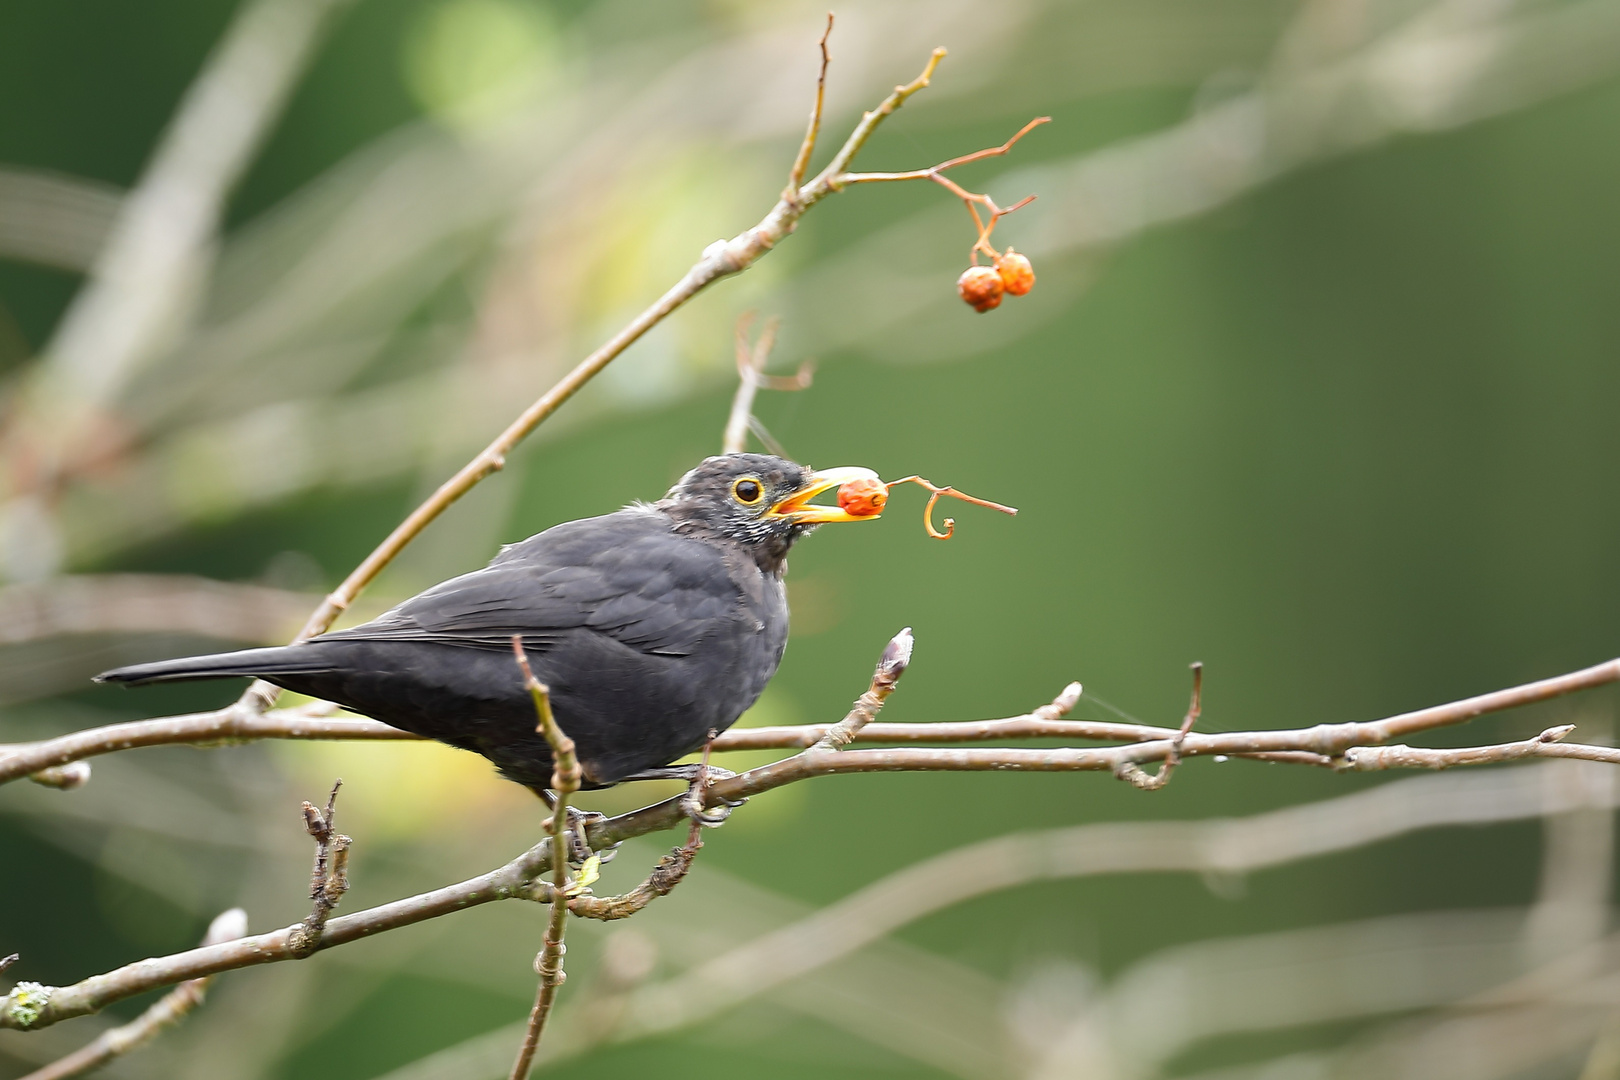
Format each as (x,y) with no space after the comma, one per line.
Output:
(232,724)
(1334,744)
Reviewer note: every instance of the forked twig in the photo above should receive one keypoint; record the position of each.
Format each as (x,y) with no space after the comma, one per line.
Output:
(972,200)
(329,880)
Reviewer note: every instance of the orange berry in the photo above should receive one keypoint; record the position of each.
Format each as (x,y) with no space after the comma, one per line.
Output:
(981,287)
(1017,275)
(863,498)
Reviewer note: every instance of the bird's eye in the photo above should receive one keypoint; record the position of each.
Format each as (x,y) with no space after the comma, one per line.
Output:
(747,491)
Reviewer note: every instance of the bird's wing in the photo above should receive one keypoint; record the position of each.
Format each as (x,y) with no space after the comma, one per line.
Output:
(632,580)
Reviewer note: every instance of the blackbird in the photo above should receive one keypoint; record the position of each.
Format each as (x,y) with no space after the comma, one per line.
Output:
(651,626)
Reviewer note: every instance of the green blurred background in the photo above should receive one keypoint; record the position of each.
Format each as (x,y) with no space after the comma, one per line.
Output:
(1317,386)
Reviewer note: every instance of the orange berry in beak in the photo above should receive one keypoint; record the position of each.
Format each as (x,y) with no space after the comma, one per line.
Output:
(980,287)
(863,498)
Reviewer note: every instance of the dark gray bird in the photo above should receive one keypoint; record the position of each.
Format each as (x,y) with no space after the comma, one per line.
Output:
(651,626)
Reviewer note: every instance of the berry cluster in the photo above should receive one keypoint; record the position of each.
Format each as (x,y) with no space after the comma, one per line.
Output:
(982,287)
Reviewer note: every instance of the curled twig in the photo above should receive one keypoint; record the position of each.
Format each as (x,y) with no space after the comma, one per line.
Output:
(1138,777)
(937,491)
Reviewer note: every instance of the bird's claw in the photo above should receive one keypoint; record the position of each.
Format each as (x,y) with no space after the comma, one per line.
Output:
(692,802)
(579,848)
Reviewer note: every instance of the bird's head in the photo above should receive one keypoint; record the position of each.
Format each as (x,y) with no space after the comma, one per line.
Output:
(758,500)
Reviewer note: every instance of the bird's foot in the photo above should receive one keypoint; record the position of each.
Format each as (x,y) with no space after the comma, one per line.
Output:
(579,847)
(693,802)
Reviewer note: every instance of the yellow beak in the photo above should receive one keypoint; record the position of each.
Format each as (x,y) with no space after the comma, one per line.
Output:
(797,505)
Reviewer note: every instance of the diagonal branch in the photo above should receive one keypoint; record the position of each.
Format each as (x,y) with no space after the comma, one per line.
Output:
(720,259)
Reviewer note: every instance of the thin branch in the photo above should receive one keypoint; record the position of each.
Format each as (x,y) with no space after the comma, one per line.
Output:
(231,724)
(31,1006)
(972,200)
(168,1011)
(801,161)
(565,781)
(1321,743)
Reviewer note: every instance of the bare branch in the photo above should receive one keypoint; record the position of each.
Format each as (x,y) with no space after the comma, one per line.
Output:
(168,1011)
(972,200)
(39,1006)
(1322,745)
(801,162)
(228,725)
(1548,744)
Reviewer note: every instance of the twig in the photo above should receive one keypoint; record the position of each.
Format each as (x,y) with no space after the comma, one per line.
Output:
(972,200)
(32,1006)
(329,879)
(801,160)
(891,665)
(7,961)
(751,379)
(1135,775)
(566,776)
(1549,744)
(169,1010)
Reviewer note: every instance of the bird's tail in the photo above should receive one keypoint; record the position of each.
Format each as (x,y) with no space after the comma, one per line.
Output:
(283,660)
